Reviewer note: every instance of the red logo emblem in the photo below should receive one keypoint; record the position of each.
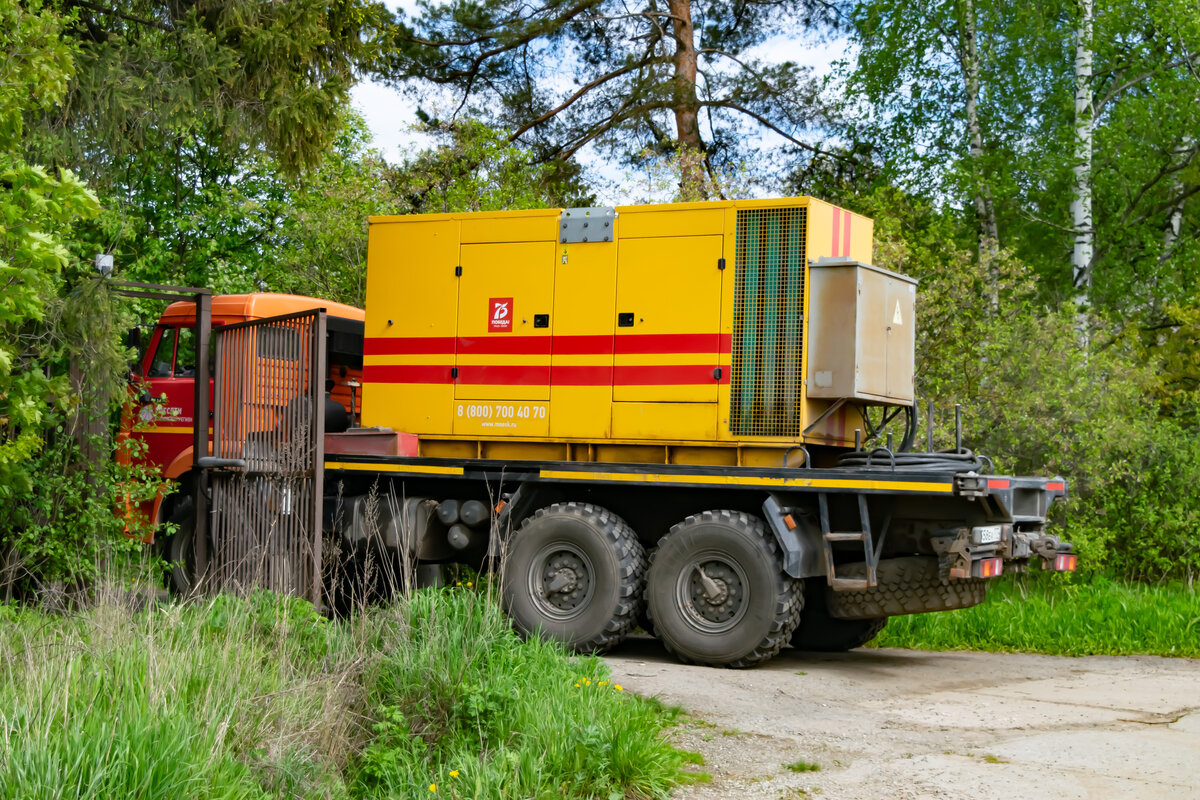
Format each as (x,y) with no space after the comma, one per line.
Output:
(500,315)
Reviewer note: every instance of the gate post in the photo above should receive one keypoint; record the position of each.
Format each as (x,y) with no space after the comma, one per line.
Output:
(200,436)
(319,372)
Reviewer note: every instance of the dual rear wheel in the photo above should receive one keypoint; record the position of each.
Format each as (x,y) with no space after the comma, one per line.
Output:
(714,587)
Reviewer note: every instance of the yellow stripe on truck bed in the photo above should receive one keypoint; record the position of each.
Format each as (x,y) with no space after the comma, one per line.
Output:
(749,480)
(422,468)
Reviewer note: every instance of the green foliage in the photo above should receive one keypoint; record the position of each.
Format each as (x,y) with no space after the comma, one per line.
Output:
(36,210)
(906,103)
(193,121)
(468,707)
(155,79)
(319,247)
(260,697)
(63,526)
(36,69)
(1056,616)
(1176,341)
(1039,404)
(319,242)
(475,168)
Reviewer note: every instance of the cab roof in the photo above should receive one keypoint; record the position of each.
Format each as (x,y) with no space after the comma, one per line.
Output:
(259,306)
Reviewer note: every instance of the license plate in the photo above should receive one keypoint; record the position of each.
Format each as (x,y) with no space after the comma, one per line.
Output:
(988,534)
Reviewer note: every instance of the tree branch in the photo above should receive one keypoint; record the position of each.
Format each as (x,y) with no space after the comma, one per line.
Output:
(584,90)
(766,123)
(566,151)
(1116,90)
(150,23)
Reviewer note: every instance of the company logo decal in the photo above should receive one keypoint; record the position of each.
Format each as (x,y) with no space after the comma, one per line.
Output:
(500,315)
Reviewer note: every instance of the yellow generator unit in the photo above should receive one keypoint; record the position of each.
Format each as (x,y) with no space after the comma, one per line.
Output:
(695,333)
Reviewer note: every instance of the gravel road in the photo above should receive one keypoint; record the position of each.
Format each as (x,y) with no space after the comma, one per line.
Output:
(891,724)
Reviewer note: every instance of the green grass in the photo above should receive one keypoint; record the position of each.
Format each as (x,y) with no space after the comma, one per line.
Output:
(1090,616)
(803,766)
(511,718)
(263,698)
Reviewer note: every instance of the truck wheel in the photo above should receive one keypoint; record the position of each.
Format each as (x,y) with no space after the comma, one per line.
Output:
(909,585)
(821,632)
(181,550)
(574,572)
(717,591)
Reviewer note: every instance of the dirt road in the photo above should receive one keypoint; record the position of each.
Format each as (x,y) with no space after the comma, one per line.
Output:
(891,724)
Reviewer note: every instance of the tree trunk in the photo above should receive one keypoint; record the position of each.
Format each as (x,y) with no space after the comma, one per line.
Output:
(1081,201)
(1175,215)
(693,179)
(985,209)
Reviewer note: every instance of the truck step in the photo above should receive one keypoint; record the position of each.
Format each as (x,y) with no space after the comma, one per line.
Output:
(847,536)
(849,584)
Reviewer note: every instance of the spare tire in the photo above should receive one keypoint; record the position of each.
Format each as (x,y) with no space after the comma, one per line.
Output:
(909,585)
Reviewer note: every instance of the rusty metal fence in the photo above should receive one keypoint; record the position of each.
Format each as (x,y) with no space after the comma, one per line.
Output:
(265,471)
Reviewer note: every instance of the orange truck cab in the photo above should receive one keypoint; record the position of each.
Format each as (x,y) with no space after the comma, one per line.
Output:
(164,411)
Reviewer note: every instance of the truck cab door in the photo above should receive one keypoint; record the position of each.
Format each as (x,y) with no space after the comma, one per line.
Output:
(165,422)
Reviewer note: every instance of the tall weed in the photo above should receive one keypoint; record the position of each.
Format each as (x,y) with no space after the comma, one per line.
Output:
(262,697)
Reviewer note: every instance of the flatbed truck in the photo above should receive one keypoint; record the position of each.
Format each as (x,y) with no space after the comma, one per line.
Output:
(653,415)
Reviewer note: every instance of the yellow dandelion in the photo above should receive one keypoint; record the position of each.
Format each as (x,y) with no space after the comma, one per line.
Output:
(577,685)
(453,773)
(618,687)
(469,584)
(458,584)
(603,683)
(433,787)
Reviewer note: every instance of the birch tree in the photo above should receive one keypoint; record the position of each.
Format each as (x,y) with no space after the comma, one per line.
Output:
(1081,200)
(941,80)
(1070,126)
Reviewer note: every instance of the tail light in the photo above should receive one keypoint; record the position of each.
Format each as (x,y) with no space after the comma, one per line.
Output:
(1064,562)
(987,568)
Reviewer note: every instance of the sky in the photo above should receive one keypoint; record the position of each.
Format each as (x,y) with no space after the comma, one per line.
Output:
(390,112)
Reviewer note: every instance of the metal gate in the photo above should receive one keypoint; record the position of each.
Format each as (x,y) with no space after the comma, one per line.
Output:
(266,467)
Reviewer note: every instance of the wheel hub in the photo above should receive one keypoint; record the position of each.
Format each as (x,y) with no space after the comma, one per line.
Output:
(561,581)
(712,593)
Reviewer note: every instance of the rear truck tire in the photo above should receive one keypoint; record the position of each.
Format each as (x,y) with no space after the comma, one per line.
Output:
(717,592)
(909,585)
(821,632)
(574,572)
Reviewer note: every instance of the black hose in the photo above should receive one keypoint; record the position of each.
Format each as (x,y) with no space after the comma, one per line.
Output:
(946,461)
(910,425)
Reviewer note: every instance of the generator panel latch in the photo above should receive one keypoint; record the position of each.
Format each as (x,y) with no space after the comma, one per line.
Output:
(577,225)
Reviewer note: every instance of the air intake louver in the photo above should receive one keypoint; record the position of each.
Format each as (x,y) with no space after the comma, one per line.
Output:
(768,322)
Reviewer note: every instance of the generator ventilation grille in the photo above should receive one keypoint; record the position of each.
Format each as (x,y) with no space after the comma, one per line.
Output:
(768,322)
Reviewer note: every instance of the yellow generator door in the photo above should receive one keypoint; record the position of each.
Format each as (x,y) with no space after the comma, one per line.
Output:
(668,319)
(505,302)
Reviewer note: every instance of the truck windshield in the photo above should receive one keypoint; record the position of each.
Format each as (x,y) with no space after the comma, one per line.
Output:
(164,355)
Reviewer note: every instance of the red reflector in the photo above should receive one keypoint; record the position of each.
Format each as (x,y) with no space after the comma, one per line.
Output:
(791,523)
(994,484)
(500,506)
(1055,486)
(1064,562)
